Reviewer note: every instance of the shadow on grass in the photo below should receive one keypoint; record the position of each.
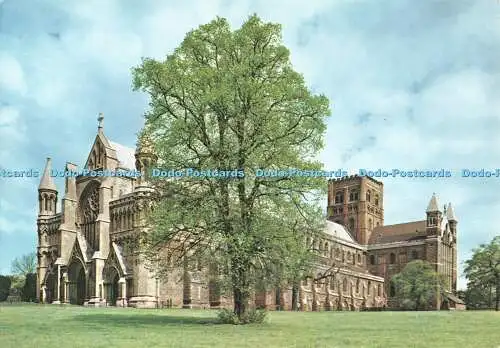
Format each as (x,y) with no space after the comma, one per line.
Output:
(134,320)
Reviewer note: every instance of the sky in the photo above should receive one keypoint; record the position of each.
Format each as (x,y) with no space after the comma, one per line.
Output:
(412,85)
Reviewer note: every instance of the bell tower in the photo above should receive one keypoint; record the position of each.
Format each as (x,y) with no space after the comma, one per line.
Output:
(357,203)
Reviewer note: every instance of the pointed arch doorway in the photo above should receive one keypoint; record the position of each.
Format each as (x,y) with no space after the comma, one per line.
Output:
(77,283)
(112,286)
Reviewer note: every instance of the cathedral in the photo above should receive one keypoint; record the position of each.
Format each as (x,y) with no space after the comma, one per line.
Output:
(84,257)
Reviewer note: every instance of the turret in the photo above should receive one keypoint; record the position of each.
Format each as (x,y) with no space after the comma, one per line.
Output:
(452,219)
(145,158)
(434,215)
(47,192)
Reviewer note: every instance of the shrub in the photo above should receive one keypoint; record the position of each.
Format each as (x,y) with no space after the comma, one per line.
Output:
(4,287)
(253,316)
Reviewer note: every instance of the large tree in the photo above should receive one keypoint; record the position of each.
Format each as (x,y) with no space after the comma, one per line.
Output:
(417,286)
(24,264)
(227,103)
(483,273)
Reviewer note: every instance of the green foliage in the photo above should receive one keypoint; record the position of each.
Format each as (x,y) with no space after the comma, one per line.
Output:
(251,316)
(28,291)
(230,100)
(417,286)
(483,274)
(4,287)
(17,283)
(24,264)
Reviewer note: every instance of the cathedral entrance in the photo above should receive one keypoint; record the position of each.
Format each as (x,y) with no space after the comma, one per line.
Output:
(113,287)
(50,284)
(77,283)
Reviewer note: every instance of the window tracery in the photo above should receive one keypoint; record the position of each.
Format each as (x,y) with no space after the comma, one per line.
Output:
(89,211)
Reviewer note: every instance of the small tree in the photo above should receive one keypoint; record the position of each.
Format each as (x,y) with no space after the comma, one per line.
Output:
(417,286)
(24,265)
(483,273)
(28,291)
(4,287)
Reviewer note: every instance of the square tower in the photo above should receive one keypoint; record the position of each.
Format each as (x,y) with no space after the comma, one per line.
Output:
(357,203)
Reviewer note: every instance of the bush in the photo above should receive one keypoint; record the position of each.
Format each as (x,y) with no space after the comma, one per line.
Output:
(28,292)
(253,316)
(4,287)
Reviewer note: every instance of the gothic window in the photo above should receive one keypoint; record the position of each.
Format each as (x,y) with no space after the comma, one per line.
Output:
(370,224)
(369,287)
(89,210)
(339,197)
(368,196)
(359,258)
(376,200)
(353,196)
(372,259)
(358,285)
(344,285)
(392,258)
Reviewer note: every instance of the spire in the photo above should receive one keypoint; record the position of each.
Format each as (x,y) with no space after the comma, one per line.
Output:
(47,183)
(100,119)
(433,204)
(450,214)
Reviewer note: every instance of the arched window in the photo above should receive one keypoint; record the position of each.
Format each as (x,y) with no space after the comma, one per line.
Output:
(353,196)
(369,287)
(359,258)
(372,259)
(339,197)
(368,196)
(378,224)
(89,210)
(358,285)
(325,249)
(344,285)
(392,258)
(376,200)
(370,224)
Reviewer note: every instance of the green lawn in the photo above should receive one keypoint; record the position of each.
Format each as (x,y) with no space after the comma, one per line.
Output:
(59,326)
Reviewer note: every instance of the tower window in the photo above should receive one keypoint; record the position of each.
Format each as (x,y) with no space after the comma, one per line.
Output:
(376,200)
(392,258)
(339,197)
(353,196)
(368,196)
(372,259)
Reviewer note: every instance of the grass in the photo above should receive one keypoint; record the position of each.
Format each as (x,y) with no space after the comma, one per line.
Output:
(70,326)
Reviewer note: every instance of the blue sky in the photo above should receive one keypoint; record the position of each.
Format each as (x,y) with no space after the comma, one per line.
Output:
(412,85)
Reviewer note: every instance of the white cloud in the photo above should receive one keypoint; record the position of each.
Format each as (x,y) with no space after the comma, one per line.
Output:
(11,74)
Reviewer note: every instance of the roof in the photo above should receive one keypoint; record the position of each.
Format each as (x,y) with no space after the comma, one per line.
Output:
(124,154)
(450,213)
(47,183)
(408,231)
(338,231)
(433,204)
(453,298)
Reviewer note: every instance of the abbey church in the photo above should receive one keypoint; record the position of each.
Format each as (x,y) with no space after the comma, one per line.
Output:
(83,256)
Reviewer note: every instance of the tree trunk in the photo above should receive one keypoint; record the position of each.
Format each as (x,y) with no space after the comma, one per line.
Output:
(240,303)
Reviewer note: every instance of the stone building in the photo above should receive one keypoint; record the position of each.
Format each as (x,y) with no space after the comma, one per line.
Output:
(357,202)
(84,254)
